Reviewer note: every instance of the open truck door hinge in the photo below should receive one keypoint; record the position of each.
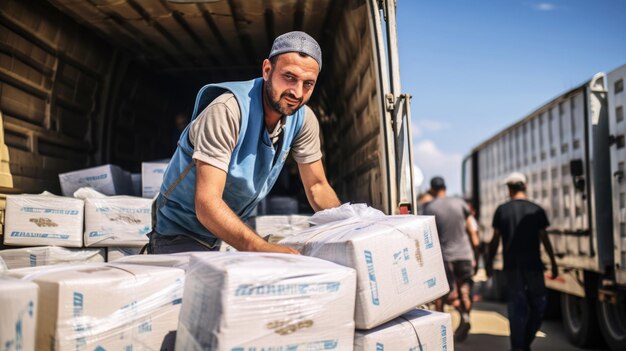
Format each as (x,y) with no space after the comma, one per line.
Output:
(390,102)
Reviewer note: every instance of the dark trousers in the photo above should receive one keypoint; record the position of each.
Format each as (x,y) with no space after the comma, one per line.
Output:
(526,306)
(167,244)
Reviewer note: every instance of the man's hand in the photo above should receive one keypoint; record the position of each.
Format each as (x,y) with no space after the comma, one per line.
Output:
(555,271)
(264,246)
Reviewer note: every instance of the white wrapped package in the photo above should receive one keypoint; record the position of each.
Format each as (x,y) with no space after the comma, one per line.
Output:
(177,260)
(397,258)
(117,221)
(46,219)
(49,255)
(18,316)
(262,301)
(279,227)
(114,253)
(152,177)
(106,306)
(415,330)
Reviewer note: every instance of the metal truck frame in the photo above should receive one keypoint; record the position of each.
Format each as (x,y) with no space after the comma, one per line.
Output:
(572,152)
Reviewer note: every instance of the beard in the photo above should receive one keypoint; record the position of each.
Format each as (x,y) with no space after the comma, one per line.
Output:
(277,103)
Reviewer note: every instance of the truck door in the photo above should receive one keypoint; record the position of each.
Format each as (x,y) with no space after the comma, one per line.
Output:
(396,121)
(617,130)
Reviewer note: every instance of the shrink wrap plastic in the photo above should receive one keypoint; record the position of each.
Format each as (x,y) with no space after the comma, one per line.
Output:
(49,255)
(397,258)
(18,319)
(416,330)
(117,221)
(243,301)
(106,306)
(44,219)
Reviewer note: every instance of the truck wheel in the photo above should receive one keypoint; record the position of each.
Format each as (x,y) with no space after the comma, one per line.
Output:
(578,319)
(612,318)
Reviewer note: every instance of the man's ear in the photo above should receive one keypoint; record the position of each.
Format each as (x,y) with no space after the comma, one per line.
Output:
(267,69)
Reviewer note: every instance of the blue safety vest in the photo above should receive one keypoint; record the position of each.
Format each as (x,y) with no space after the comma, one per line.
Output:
(252,171)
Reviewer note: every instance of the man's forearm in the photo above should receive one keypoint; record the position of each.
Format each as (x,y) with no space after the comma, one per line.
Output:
(322,196)
(220,220)
(548,246)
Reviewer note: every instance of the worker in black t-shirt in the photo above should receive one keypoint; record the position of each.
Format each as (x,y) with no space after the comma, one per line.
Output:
(522,226)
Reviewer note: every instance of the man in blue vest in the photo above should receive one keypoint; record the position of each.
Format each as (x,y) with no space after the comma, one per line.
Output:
(231,153)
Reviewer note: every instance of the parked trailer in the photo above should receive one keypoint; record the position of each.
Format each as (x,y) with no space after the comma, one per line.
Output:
(85,83)
(572,152)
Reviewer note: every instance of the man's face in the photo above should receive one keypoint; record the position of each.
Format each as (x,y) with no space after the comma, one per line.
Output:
(290,82)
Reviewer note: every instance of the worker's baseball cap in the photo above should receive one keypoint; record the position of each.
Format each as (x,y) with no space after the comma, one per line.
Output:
(437,183)
(514,178)
(297,41)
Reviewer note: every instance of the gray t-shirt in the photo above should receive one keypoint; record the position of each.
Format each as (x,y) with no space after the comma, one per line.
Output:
(450,215)
(214,134)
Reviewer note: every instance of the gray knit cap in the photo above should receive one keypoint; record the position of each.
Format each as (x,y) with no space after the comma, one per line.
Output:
(297,42)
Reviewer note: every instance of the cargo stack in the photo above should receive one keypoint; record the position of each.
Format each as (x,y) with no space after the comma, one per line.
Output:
(264,301)
(104,306)
(397,259)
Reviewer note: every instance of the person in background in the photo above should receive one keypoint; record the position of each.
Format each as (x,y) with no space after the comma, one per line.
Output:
(521,224)
(423,199)
(231,154)
(458,245)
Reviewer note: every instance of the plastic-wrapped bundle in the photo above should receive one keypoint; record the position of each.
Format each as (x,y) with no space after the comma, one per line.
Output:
(49,255)
(397,258)
(106,306)
(45,219)
(177,260)
(416,330)
(279,227)
(18,319)
(117,221)
(263,301)
(115,253)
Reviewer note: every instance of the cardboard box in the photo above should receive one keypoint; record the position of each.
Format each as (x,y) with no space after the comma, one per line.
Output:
(41,220)
(114,252)
(279,227)
(117,221)
(107,179)
(397,258)
(106,306)
(49,255)
(263,301)
(18,319)
(415,330)
(152,177)
(135,179)
(176,260)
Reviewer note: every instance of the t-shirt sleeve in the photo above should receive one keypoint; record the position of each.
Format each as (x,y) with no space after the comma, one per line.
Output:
(306,146)
(496,219)
(466,210)
(214,133)
(542,219)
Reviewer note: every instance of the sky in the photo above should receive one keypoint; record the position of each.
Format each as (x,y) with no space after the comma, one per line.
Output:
(475,67)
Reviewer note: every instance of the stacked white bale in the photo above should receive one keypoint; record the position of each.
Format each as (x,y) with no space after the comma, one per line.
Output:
(397,258)
(279,227)
(49,255)
(117,221)
(115,253)
(152,177)
(106,306)
(177,260)
(263,301)
(274,228)
(107,179)
(416,330)
(41,220)
(18,316)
